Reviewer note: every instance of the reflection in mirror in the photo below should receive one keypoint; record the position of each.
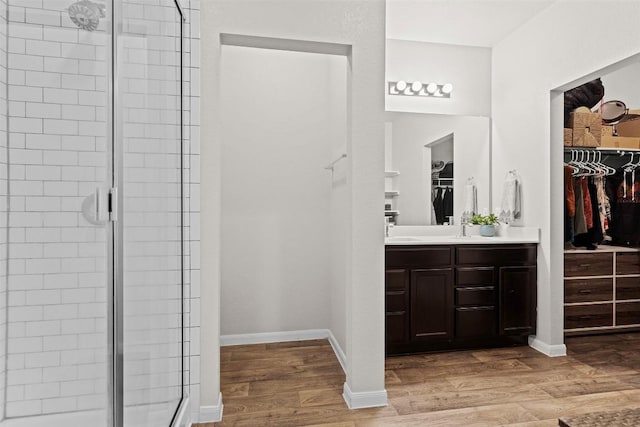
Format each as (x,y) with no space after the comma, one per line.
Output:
(438,159)
(415,144)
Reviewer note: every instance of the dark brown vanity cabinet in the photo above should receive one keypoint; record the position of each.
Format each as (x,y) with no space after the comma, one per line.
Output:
(466,296)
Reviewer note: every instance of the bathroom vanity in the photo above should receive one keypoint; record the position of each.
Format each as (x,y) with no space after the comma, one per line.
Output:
(457,293)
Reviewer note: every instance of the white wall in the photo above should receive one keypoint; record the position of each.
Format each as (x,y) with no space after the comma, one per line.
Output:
(546,53)
(622,85)
(471,150)
(339,202)
(313,20)
(277,138)
(467,68)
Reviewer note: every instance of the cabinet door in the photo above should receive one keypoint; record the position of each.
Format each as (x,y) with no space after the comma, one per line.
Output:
(432,305)
(396,306)
(517,300)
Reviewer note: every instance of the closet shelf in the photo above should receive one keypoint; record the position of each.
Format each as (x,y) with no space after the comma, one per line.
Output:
(391,213)
(603,149)
(389,194)
(391,174)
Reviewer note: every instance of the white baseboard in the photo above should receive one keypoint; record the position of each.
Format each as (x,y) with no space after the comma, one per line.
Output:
(269,337)
(367,399)
(342,358)
(211,414)
(555,350)
(304,335)
(88,418)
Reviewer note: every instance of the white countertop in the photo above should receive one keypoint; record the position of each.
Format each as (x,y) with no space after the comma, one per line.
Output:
(448,235)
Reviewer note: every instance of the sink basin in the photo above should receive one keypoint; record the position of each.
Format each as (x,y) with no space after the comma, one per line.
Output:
(404,239)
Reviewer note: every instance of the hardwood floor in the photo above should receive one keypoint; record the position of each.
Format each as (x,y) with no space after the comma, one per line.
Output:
(300,384)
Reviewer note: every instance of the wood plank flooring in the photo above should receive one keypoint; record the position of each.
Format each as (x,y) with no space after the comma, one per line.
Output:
(300,384)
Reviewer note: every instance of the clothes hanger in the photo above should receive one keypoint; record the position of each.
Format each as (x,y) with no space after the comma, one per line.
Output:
(608,169)
(570,163)
(585,170)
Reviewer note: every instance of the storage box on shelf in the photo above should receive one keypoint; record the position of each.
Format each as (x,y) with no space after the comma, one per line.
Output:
(601,290)
(587,129)
(630,128)
(620,142)
(568,137)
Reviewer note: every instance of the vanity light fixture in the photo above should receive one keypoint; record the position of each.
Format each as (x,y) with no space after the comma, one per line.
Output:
(418,88)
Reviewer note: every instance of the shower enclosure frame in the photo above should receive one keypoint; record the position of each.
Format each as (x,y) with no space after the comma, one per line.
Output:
(115,232)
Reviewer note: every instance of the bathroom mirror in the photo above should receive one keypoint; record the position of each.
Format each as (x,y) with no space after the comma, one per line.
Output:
(425,152)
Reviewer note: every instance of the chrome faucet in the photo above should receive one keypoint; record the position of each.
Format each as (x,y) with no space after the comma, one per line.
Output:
(388,226)
(463,222)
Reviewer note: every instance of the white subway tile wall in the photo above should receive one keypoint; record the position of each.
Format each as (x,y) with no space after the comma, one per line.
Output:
(4,170)
(191,115)
(56,293)
(57,307)
(58,121)
(151,108)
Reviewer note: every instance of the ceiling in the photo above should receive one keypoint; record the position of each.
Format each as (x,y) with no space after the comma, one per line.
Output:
(460,22)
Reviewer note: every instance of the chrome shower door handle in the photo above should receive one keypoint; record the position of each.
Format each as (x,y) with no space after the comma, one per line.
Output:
(94,207)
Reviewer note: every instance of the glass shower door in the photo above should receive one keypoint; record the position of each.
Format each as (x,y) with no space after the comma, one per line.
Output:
(59,262)
(149,143)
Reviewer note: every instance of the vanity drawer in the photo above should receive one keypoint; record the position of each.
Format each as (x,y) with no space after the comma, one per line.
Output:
(396,327)
(588,264)
(481,276)
(396,279)
(627,288)
(396,301)
(588,316)
(628,313)
(475,295)
(497,255)
(587,290)
(418,256)
(628,263)
(475,321)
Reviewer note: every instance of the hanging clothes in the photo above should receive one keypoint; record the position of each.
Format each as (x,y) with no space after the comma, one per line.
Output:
(434,219)
(580,223)
(438,206)
(569,204)
(594,235)
(586,199)
(447,202)
(604,206)
(569,194)
(625,211)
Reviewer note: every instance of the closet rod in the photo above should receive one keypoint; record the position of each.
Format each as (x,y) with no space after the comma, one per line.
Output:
(612,150)
(332,164)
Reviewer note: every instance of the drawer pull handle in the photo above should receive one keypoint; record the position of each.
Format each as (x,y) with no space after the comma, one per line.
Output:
(584,291)
(395,313)
(585,317)
(395,293)
(584,265)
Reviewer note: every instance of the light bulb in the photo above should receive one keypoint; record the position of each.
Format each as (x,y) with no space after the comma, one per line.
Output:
(416,86)
(401,85)
(432,88)
(447,88)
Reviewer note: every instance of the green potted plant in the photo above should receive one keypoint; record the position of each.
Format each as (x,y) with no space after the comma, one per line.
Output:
(487,224)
